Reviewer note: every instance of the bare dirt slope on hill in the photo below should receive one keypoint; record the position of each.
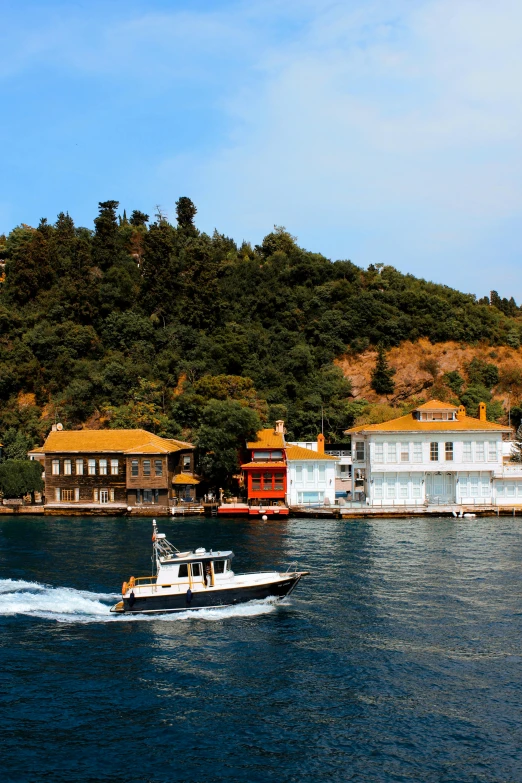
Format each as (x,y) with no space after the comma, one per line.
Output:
(420,366)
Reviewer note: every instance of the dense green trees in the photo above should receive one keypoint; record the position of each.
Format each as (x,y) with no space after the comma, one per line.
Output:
(140,323)
(19,477)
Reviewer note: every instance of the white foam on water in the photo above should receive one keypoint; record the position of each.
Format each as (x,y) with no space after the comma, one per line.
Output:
(66,605)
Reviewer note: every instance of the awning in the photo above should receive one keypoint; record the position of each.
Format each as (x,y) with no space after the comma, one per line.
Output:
(184,478)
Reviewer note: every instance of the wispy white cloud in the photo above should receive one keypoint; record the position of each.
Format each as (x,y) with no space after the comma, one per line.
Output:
(382,130)
(372,133)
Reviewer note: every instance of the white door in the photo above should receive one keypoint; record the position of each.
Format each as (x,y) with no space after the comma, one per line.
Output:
(440,488)
(104,495)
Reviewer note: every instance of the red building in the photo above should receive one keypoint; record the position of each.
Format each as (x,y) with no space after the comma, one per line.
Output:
(265,474)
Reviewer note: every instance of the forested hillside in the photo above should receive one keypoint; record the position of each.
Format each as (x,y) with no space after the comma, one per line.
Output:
(142,323)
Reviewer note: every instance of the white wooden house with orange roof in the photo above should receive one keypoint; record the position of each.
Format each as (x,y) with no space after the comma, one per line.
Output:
(311,474)
(435,455)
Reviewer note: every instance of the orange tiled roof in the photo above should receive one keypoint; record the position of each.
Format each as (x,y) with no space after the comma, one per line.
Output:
(300,453)
(267,439)
(184,478)
(264,465)
(126,441)
(150,448)
(436,405)
(409,424)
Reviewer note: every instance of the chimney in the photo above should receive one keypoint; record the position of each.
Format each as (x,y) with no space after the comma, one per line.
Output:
(461,412)
(482,411)
(320,444)
(280,427)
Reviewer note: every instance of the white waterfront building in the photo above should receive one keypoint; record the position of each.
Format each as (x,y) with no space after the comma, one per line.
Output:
(311,474)
(436,455)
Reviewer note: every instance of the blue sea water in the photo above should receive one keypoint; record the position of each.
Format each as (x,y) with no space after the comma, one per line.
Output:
(397,659)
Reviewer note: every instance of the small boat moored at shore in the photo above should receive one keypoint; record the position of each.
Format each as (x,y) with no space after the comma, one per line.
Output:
(198,580)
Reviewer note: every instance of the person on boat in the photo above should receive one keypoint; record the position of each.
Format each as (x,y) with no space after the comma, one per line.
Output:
(208,575)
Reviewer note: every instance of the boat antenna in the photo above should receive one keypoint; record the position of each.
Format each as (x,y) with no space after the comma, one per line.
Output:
(153,558)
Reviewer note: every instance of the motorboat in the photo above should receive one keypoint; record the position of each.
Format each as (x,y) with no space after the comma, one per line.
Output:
(198,579)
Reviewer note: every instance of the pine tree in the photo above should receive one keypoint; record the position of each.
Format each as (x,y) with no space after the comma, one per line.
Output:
(185,213)
(382,375)
(516,448)
(105,244)
(138,218)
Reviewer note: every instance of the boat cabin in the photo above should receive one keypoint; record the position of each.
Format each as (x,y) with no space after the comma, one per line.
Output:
(187,568)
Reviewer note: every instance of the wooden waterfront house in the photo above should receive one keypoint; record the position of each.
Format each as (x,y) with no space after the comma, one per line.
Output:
(311,474)
(116,468)
(265,473)
(436,456)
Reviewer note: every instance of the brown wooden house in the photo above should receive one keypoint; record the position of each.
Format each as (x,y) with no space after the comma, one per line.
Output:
(119,468)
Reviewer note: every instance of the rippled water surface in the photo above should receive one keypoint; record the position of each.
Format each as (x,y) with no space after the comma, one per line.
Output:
(397,659)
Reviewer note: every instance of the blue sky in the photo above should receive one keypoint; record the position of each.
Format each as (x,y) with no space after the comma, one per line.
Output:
(386,131)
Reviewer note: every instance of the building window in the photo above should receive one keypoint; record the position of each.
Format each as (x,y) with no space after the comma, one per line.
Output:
(479,452)
(417,452)
(359,451)
(56,467)
(67,467)
(256,482)
(146,468)
(67,495)
(103,467)
(492,451)
(391,452)
(91,467)
(405,452)
(279,481)
(114,467)
(138,496)
(379,452)
(77,492)
(186,462)
(95,494)
(466,451)
(158,467)
(449,452)
(267,481)
(298,474)
(134,467)
(147,496)
(403,487)
(434,451)
(416,488)
(377,488)
(79,467)
(322,473)
(390,488)
(111,495)
(263,456)
(57,494)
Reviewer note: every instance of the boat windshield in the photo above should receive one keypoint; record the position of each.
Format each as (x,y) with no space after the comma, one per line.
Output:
(220,566)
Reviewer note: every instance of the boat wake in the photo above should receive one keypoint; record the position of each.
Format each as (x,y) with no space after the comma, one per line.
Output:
(66,605)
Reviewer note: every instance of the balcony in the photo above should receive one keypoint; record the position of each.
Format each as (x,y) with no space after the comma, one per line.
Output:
(511,470)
